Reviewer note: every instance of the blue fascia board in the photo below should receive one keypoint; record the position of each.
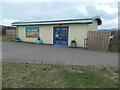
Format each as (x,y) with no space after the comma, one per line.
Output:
(43,23)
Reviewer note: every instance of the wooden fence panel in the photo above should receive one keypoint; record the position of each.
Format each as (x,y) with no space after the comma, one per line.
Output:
(11,34)
(98,40)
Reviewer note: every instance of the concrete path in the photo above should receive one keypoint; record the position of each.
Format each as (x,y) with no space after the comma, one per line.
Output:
(28,52)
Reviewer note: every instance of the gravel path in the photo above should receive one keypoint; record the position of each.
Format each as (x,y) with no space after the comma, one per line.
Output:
(34,53)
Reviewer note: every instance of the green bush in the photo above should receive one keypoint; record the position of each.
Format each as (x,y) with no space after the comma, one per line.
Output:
(17,38)
(114,42)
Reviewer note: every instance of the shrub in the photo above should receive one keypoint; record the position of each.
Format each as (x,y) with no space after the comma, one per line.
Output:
(114,42)
(17,38)
(38,38)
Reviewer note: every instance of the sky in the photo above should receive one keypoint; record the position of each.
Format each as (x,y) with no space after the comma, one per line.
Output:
(33,10)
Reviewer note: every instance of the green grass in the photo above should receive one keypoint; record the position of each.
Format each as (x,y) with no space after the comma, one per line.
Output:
(24,75)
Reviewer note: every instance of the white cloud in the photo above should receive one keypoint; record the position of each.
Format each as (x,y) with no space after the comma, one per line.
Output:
(47,0)
(115,20)
(107,9)
(94,1)
(82,9)
(48,11)
(107,24)
(107,1)
(8,21)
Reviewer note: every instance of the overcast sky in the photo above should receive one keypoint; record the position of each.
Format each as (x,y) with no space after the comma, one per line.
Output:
(31,11)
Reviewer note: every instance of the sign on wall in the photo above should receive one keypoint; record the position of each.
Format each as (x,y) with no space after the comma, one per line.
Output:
(32,32)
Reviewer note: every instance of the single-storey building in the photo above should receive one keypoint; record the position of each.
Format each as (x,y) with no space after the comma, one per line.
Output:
(57,32)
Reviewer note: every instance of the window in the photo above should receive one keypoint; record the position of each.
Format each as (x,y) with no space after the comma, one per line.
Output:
(32,32)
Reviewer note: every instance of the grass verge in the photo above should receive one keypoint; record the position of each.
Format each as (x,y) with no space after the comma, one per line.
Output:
(25,75)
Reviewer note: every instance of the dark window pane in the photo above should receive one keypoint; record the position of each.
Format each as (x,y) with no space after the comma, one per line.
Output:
(64,41)
(57,40)
(64,32)
(57,33)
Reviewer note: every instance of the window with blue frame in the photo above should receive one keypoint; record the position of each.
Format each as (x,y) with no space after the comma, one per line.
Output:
(32,32)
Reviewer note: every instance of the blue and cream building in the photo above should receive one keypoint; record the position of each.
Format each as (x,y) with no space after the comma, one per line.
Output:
(57,32)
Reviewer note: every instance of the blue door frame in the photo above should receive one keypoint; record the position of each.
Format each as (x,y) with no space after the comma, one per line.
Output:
(60,37)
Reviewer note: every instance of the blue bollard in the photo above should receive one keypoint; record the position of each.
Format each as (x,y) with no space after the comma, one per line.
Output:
(17,40)
(39,42)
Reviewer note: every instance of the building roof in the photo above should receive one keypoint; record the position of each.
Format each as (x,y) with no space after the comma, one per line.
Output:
(65,21)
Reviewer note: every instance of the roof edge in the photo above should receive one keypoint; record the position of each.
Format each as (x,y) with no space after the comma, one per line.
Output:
(98,19)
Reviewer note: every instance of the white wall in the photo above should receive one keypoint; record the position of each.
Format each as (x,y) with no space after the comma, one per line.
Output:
(45,33)
(93,26)
(22,34)
(78,31)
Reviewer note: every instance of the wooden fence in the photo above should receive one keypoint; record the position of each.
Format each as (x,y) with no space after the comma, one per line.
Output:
(98,40)
(10,35)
